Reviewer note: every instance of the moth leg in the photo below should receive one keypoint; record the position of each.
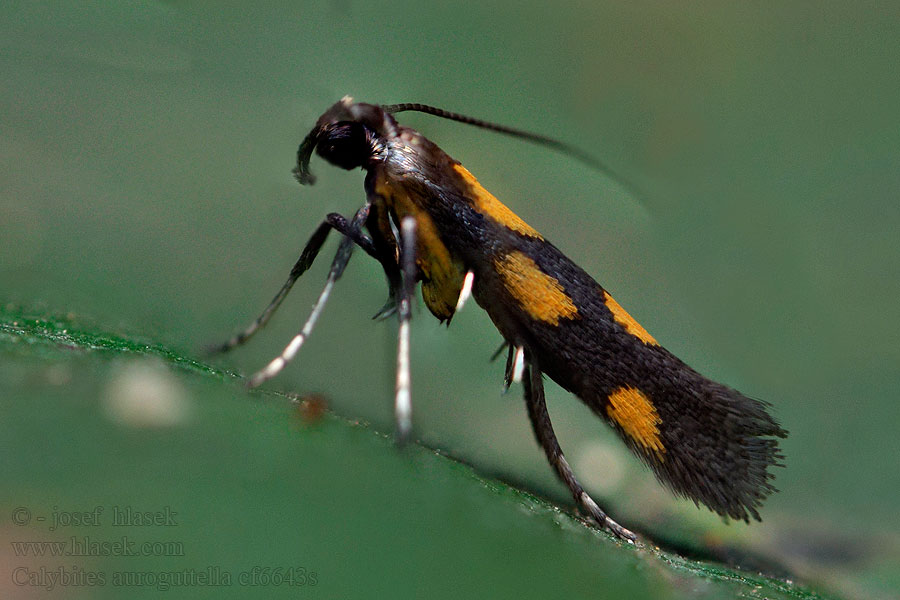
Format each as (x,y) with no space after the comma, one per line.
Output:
(345,250)
(465,292)
(507,373)
(307,256)
(389,308)
(408,271)
(385,243)
(499,351)
(515,366)
(543,431)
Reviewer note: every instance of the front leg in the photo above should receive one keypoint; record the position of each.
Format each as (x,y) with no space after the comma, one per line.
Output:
(345,249)
(336,221)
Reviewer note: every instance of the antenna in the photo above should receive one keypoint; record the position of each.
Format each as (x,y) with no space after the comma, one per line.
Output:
(543,140)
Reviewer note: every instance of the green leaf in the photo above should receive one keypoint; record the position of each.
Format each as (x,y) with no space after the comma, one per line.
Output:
(251,497)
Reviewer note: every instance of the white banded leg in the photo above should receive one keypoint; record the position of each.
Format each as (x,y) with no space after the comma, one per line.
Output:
(345,250)
(403,395)
(465,291)
(518,364)
(273,368)
(307,256)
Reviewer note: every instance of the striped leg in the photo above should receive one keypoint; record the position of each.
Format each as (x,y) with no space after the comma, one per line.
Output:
(307,256)
(408,269)
(352,236)
(543,431)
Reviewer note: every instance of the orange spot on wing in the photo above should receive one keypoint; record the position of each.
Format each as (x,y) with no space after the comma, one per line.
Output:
(443,277)
(539,294)
(627,321)
(634,412)
(488,205)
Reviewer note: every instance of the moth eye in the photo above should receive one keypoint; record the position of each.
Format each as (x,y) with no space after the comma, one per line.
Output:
(346,144)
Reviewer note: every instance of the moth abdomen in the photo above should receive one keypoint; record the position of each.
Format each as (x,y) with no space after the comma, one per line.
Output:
(704,440)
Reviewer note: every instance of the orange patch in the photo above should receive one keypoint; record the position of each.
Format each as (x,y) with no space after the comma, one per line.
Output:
(627,321)
(488,205)
(539,294)
(443,278)
(633,411)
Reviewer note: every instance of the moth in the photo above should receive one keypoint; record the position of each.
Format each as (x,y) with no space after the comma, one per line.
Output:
(428,222)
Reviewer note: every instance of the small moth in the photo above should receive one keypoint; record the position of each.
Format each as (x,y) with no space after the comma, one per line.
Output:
(427,220)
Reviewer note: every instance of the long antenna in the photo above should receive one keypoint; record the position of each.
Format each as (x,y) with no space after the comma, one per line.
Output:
(559,146)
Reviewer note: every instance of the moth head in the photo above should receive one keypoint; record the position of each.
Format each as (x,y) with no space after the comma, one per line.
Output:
(348,135)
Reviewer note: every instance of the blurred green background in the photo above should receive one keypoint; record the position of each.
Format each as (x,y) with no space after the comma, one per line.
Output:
(145,189)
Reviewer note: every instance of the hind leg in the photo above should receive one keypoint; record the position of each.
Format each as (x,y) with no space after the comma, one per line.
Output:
(543,431)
